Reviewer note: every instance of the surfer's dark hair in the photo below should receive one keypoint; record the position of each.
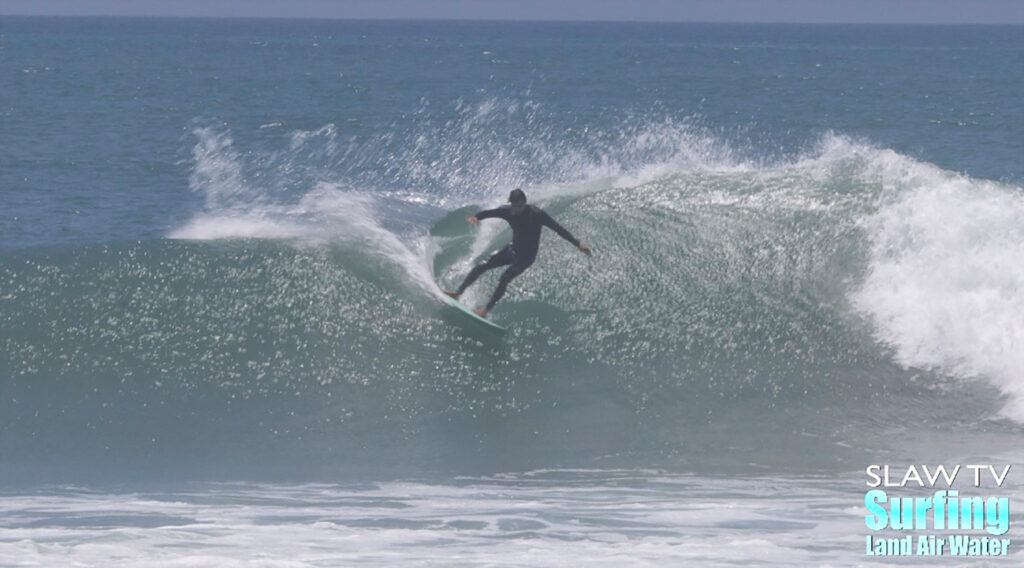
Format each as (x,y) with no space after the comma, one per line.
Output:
(517,197)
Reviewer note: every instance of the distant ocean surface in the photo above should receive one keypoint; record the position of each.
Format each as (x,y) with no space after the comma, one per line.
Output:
(221,343)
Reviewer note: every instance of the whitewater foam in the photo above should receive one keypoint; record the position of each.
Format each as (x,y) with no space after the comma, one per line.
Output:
(555,518)
(945,284)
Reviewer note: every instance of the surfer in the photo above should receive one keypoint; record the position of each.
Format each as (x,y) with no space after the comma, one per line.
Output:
(527,222)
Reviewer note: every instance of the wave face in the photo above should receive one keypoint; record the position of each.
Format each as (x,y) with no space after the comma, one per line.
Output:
(743,313)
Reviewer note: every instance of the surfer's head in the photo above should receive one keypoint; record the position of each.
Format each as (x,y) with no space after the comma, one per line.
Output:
(518,200)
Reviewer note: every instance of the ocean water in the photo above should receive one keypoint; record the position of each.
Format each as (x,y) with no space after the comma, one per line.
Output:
(220,336)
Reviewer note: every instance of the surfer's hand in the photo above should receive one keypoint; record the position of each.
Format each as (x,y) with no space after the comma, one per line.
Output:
(472,219)
(585,249)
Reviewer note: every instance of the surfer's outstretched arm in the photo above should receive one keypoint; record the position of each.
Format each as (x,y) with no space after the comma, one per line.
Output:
(500,212)
(565,234)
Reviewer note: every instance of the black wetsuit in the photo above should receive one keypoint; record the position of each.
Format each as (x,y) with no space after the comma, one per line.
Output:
(520,254)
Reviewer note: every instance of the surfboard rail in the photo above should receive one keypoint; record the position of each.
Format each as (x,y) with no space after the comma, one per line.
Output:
(490,325)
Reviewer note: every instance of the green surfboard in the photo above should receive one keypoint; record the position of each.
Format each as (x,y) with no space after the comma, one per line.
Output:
(468,313)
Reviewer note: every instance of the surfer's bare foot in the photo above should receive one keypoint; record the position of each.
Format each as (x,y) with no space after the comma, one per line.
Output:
(482,312)
(451,294)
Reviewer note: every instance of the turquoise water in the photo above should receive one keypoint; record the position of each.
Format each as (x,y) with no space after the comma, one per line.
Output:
(219,241)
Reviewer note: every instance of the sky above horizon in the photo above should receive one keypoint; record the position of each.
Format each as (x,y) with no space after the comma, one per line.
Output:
(797,11)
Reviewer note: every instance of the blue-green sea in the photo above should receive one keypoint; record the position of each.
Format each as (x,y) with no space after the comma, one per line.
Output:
(221,335)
